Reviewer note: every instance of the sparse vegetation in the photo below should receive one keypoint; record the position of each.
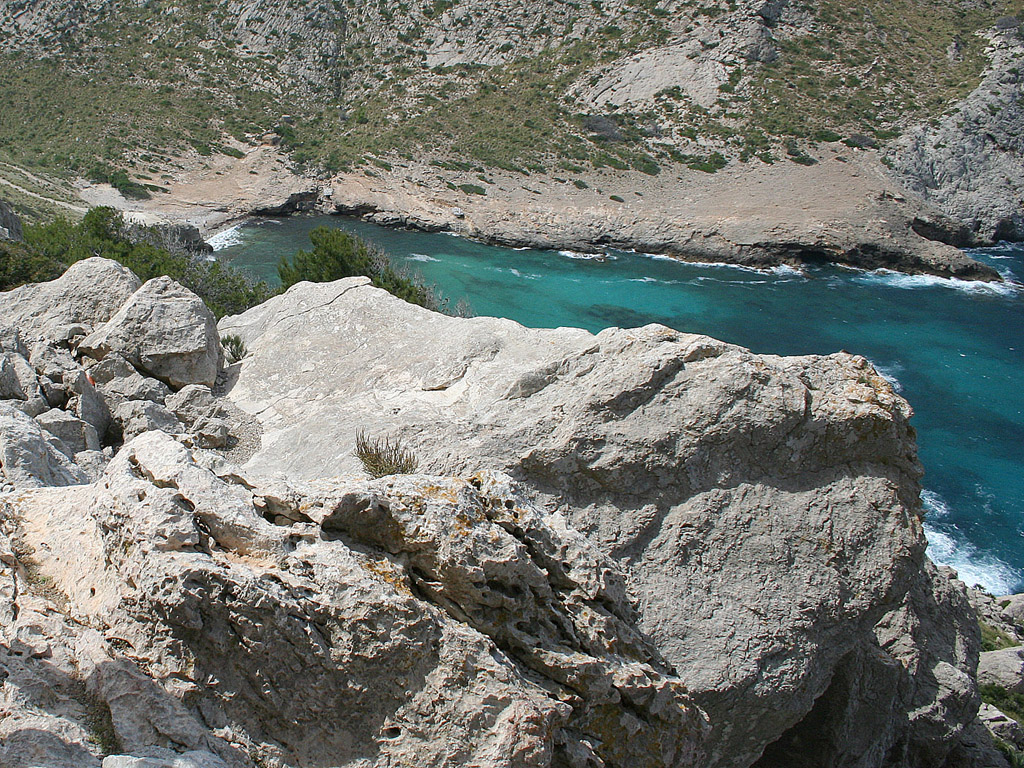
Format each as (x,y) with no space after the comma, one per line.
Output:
(53,247)
(383,456)
(1009,703)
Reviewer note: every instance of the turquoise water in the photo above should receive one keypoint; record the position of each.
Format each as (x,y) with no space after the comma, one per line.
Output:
(955,350)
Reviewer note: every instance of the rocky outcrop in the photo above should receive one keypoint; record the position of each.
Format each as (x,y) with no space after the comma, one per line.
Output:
(84,297)
(10,224)
(164,330)
(413,620)
(766,509)
(971,162)
(62,411)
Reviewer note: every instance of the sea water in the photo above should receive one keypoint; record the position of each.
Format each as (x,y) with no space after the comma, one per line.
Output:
(954,349)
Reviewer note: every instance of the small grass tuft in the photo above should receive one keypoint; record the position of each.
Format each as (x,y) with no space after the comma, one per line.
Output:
(382,456)
(234,348)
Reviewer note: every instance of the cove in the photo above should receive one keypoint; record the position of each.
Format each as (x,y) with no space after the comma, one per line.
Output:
(954,349)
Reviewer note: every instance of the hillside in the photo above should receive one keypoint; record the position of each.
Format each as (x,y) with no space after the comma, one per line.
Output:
(557,89)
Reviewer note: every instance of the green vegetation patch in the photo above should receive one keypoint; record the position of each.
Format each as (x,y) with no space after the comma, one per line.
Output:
(872,67)
(993,638)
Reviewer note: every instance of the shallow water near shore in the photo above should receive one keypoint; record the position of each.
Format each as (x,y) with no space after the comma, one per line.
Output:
(954,349)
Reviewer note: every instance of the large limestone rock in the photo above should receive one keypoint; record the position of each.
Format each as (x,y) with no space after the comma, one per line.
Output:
(1004,668)
(164,330)
(85,296)
(767,509)
(407,621)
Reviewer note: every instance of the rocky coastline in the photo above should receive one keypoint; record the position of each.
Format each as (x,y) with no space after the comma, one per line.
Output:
(845,210)
(640,547)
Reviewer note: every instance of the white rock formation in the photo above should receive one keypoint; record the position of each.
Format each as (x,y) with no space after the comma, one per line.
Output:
(414,621)
(767,508)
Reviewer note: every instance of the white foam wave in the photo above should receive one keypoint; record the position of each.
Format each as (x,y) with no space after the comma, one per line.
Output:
(974,568)
(911,282)
(782,270)
(888,372)
(421,257)
(587,256)
(226,238)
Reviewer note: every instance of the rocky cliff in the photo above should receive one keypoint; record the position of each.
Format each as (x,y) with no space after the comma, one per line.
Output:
(765,509)
(971,162)
(636,548)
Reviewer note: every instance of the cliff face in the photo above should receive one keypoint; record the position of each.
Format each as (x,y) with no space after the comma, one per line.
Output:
(970,163)
(641,548)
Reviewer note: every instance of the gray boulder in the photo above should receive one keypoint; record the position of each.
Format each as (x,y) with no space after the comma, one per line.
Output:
(133,417)
(86,295)
(10,224)
(1004,667)
(202,415)
(1001,726)
(31,457)
(10,387)
(766,509)
(118,380)
(85,402)
(164,330)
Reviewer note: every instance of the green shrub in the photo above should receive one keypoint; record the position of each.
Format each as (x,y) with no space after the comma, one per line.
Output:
(337,254)
(381,456)
(472,189)
(1009,703)
(20,264)
(234,348)
(103,232)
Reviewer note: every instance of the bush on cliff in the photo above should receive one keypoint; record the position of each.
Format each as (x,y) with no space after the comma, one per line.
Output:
(20,264)
(337,254)
(54,246)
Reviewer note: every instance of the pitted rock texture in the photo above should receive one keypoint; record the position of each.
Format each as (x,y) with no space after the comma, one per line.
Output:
(767,509)
(412,620)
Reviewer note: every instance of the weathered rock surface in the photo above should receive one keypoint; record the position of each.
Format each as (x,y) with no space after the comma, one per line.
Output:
(767,509)
(971,164)
(87,295)
(10,224)
(31,457)
(164,330)
(413,620)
